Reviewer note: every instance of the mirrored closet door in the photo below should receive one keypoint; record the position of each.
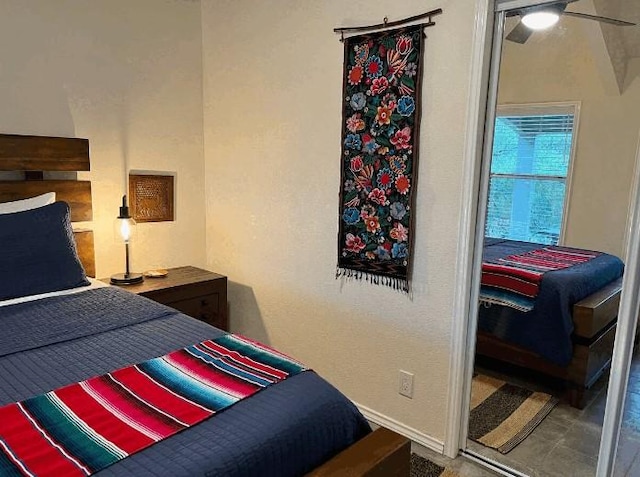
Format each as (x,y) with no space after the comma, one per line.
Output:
(558,175)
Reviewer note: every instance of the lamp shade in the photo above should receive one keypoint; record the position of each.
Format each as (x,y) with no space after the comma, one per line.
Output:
(124,229)
(124,226)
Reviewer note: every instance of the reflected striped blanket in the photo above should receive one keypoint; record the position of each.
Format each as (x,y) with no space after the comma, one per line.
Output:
(82,428)
(514,280)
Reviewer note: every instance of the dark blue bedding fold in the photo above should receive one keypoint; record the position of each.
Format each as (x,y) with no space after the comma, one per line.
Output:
(547,328)
(29,325)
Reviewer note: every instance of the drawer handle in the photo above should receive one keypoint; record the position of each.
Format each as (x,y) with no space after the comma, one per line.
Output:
(205,302)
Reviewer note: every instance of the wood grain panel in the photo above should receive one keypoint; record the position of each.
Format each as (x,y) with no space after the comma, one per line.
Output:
(596,311)
(84,244)
(75,193)
(590,361)
(383,453)
(36,153)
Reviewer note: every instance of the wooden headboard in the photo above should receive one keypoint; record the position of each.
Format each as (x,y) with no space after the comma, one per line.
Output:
(34,155)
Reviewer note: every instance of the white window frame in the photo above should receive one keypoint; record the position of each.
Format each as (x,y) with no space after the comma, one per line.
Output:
(539,109)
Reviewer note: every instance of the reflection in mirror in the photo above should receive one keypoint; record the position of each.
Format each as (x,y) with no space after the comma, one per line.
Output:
(564,144)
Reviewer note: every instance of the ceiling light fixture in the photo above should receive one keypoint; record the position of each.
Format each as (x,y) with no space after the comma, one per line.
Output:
(541,19)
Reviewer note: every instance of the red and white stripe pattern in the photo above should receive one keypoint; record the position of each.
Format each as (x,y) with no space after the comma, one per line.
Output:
(84,427)
(523,273)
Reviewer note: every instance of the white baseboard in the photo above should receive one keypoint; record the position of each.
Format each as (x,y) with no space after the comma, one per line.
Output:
(402,429)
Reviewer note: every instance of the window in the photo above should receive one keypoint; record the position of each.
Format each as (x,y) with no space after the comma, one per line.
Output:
(531,160)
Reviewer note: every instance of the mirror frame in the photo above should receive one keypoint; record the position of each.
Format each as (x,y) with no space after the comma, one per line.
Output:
(486,58)
(625,336)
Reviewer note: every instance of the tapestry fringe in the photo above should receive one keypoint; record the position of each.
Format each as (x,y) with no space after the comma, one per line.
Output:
(399,284)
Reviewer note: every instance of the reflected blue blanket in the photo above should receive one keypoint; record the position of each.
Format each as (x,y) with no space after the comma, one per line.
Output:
(285,430)
(547,328)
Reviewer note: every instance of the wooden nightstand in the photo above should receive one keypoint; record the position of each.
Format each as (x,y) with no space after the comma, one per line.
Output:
(193,291)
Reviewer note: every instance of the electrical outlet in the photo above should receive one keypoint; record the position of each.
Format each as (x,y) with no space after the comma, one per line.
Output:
(405,384)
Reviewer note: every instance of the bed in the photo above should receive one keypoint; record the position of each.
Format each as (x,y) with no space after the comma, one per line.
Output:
(80,329)
(569,332)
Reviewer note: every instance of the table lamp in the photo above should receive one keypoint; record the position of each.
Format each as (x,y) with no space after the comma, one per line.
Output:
(124,228)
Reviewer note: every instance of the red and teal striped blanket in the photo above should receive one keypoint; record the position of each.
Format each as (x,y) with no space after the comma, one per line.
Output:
(515,280)
(82,428)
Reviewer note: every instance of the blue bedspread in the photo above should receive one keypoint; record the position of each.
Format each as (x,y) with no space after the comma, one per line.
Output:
(284,430)
(546,330)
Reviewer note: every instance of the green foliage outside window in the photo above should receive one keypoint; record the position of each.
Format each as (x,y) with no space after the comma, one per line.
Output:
(529,167)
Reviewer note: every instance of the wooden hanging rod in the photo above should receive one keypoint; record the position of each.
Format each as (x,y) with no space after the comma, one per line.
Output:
(387,24)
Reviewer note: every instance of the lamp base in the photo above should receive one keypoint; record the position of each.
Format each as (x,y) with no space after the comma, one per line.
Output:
(126,278)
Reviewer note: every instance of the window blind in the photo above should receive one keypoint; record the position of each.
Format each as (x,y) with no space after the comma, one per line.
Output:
(529,167)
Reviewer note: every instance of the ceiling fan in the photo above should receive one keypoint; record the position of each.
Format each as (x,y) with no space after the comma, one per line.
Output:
(544,16)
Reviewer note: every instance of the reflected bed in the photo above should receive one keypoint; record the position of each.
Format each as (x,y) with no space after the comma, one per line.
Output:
(569,332)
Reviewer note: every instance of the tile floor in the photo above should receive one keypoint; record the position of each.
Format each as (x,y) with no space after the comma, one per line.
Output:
(463,466)
(566,443)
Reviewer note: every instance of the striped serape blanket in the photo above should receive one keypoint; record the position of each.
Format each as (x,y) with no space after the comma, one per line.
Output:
(82,428)
(514,280)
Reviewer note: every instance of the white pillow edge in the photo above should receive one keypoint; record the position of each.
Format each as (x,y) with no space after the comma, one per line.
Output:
(27,204)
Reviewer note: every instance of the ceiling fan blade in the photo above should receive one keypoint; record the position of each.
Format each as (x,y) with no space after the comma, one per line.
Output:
(560,5)
(612,21)
(519,34)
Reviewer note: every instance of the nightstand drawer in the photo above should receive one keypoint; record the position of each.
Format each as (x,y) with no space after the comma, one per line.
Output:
(183,292)
(205,308)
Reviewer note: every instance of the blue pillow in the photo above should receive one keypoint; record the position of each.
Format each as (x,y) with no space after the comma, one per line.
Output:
(38,252)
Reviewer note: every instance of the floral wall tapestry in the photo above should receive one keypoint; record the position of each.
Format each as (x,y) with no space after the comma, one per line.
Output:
(380,129)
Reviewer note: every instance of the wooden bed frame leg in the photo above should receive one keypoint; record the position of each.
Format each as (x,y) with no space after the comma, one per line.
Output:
(577,396)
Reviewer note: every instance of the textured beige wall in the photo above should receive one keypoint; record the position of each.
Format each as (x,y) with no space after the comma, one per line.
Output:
(272,92)
(127,75)
(559,66)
